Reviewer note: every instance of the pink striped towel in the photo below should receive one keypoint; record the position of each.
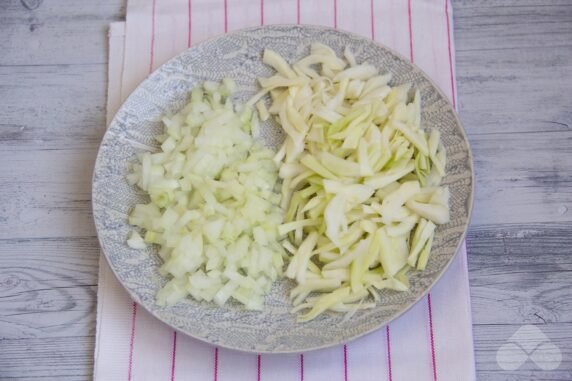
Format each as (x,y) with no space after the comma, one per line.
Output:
(432,341)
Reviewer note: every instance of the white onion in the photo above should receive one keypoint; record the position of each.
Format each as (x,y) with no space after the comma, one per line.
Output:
(214,210)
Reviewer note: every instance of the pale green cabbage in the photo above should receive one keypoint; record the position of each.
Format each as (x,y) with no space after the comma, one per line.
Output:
(360,179)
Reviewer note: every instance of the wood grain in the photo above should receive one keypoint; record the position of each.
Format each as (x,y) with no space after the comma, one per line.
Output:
(56,32)
(522,177)
(49,193)
(525,271)
(63,358)
(489,338)
(514,76)
(514,65)
(48,287)
(52,106)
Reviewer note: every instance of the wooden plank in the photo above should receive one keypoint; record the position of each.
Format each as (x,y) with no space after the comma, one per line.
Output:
(522,178)
(468,5)
(48,287)
(64,358)
(523,270)
(490,338)
(489,80)
(53,106)
(56,32)
(514,65)
(49,193)
(512,27)
(46,102)
(520,274)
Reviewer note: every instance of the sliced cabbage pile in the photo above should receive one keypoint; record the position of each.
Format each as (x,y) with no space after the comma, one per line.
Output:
(214,210)
(360,179)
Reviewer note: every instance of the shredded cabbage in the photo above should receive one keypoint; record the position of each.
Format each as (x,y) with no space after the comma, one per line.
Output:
(213,211)
(360,179)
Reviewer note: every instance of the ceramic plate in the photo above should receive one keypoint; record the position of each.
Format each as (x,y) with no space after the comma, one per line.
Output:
(238,55)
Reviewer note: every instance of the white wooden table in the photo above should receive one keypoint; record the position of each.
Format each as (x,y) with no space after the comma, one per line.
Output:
(514,72)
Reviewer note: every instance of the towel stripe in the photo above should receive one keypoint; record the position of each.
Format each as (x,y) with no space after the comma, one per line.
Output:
(433,358)
(215,365)
(132,342)
(174,357)
(345,362)
(225,16)
(389,370)
(190,25)
(259,364)
(301,364)
(410,30)
(335,13)
(453,97)
(154,5)
(372,11)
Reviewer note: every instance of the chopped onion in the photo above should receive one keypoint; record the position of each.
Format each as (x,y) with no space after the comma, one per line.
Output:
(213,209)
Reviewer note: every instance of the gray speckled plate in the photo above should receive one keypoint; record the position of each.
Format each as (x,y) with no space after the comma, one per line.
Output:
(238,55)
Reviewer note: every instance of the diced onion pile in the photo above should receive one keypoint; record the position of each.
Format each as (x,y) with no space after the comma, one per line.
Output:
(360,179)
(214,211)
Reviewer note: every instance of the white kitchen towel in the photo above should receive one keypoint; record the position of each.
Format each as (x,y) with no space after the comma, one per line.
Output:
(432,341)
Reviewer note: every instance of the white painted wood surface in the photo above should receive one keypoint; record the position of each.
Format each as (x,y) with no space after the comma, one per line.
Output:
(514,73)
